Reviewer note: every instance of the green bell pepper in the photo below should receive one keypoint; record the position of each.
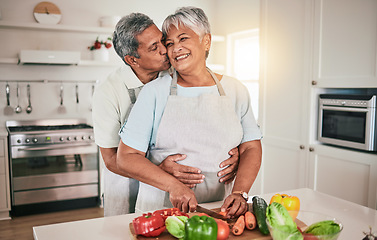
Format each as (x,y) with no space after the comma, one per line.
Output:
(200,228)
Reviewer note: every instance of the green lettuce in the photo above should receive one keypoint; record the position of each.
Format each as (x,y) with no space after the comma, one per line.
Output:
(284,228)
(327,227)
(176,225)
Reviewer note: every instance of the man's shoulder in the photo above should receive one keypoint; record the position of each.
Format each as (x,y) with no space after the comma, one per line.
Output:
(119,78)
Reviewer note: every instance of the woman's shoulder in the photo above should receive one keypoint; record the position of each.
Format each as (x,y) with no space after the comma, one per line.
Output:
(160,82)
(231,82)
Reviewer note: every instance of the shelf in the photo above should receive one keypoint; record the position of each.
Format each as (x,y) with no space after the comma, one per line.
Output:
(58,27)
(84,63)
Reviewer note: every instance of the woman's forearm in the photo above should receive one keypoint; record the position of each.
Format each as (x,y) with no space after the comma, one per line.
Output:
(249,165)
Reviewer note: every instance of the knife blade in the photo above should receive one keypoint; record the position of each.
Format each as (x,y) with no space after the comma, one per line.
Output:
(211,213)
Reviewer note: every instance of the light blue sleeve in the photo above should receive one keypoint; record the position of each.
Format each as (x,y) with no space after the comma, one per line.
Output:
(137,131)
(251,130)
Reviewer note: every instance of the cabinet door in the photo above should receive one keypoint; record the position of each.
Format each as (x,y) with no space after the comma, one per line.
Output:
(284,94)
(345,43)
(346,174)
(4,194)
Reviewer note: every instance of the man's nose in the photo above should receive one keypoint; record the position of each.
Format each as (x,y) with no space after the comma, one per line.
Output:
(163,49)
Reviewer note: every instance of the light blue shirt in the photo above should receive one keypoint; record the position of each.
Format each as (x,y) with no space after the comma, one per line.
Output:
(140,130)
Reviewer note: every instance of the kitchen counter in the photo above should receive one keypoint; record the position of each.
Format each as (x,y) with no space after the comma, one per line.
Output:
(355,219)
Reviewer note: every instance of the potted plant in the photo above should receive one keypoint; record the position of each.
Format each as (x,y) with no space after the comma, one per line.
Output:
(100,49)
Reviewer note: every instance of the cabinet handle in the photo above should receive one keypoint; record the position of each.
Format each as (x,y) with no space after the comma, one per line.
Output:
(311,149)
(314,83)
(302,147)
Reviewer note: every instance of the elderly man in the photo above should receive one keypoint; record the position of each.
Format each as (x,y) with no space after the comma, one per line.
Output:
(139,43)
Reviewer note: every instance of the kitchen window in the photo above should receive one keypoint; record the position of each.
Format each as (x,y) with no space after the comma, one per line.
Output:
(243,62)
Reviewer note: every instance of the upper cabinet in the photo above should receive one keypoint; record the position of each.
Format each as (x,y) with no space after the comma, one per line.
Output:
(344,47)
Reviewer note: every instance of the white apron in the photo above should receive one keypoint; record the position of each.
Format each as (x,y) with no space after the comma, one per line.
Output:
(120,192)
(205,128)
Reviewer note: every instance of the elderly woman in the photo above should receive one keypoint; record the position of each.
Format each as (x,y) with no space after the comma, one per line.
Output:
(195,112)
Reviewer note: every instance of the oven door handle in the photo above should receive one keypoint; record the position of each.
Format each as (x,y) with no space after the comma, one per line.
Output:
(54,147)
(343,109)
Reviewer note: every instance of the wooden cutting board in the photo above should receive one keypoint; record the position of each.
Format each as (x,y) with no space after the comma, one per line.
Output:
(247,234)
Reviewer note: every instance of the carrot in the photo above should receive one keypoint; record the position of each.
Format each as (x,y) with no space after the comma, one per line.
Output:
(239,226)
(250,220)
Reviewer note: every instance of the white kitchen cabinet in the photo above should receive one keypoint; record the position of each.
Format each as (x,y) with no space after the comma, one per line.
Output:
(284,94)
(288,112)
(345,43)
(4,179)
(345,174)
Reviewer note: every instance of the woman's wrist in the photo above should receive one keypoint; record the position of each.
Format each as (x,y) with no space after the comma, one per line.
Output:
(243,194)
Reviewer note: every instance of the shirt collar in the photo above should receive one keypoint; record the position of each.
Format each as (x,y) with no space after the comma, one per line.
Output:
(129,77)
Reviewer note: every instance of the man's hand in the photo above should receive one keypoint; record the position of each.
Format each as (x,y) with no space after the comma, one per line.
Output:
(228,174)
(190,176)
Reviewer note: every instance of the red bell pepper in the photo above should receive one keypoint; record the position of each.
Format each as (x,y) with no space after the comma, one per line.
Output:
(165,213)
(149,225)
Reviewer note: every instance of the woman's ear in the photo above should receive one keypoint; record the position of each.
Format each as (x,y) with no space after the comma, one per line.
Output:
(130,60)
(207,41)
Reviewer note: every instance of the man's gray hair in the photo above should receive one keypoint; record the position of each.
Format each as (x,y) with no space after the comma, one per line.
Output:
(190,17)
(126,31)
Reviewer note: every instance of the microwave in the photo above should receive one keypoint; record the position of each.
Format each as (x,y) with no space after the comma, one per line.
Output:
(348,121)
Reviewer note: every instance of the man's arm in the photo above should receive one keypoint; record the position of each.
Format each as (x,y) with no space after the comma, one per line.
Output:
(109,156)
(190,176)
(132,162)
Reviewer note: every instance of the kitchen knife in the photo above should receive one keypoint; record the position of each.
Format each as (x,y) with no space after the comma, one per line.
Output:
(211,213)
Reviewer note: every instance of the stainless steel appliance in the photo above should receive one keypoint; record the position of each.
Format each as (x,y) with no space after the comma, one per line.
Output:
(348,121)
(53,165)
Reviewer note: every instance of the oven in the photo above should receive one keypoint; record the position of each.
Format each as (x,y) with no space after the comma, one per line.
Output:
(348,121)
(53,165)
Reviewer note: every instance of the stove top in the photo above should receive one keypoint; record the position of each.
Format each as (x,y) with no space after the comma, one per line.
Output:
(33,128)
(49,132)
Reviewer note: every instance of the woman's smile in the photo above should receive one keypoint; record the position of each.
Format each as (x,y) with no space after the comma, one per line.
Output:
(180,57)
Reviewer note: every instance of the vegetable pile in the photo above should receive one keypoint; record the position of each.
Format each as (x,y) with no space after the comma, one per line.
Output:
(284,227)
(277,219)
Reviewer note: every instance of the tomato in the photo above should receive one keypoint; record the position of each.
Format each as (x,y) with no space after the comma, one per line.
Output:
(222,229)
(291,203)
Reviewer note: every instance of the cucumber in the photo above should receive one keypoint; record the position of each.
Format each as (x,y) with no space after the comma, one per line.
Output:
(259,209)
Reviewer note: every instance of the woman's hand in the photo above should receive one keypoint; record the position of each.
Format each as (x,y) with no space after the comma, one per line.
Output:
(183,198)
(230,166)
(234,205)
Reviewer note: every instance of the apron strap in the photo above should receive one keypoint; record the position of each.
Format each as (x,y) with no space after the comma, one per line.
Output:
(219,86)
(173,86)
(132,94)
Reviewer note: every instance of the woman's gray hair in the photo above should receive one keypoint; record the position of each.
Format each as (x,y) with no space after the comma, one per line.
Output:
(126,31)
(190,17)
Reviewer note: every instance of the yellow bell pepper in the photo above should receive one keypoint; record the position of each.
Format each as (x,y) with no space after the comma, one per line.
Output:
(291,203)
